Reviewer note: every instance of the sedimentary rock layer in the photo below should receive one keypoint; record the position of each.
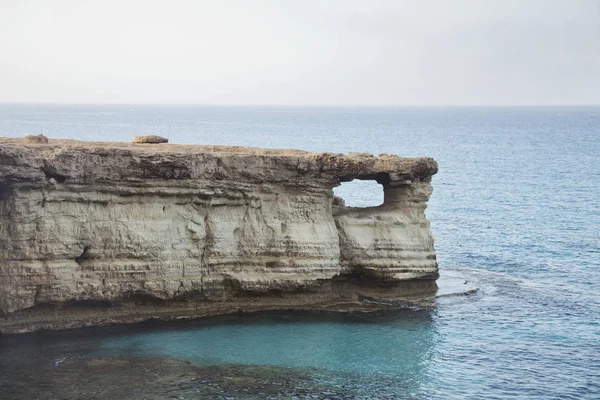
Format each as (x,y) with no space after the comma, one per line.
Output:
(104,223)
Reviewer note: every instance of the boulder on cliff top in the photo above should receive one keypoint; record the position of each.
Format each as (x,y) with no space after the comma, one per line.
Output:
(35,139)
(149,139)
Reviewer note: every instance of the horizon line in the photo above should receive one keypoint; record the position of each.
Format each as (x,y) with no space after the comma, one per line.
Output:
(295,105)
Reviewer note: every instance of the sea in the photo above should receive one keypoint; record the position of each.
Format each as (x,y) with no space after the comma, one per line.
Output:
(515,211)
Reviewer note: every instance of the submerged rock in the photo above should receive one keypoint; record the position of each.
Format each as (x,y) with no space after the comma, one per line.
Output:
(110,232)
(155,378)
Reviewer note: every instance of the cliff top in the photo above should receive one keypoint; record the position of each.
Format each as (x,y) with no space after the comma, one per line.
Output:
(150,148)
(73,156)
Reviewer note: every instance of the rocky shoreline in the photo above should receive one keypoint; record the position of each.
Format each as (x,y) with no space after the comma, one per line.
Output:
(57,317)
(94,233)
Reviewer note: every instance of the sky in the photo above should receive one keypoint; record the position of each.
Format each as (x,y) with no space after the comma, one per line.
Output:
(303,52)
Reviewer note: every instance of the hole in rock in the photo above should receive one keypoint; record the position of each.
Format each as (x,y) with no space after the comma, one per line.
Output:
(85,255)
(52,174)
(360,193)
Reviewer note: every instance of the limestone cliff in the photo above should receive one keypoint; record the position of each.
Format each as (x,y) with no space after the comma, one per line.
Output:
(144,229)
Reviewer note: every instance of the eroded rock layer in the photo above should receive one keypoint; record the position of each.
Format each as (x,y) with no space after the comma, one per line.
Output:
(103,223)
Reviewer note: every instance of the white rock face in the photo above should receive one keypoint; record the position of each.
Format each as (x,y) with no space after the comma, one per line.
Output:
(390,242)
(106,222)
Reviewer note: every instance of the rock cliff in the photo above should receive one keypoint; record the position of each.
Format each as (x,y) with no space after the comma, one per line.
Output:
(95,232)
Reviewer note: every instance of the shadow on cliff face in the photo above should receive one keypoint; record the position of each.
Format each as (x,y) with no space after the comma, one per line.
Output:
(52,175)
(5,195)
(5,191)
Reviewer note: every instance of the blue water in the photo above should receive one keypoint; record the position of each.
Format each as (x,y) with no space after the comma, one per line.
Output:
(515,208)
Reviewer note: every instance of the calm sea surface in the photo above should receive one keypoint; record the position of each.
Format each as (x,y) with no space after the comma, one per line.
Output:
(516,208)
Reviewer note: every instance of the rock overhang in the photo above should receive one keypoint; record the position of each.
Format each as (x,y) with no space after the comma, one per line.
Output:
(204,223)
(181,161)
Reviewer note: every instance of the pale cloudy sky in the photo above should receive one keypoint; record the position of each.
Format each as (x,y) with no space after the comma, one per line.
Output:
(328,52)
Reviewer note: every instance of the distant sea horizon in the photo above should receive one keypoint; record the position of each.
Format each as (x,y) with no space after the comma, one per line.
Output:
(274,105)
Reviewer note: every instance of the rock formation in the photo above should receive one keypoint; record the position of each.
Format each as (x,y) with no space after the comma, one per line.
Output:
(149,139)
(40,139)
(95,232)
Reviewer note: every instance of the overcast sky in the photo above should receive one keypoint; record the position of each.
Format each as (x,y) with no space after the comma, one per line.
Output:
(347,52)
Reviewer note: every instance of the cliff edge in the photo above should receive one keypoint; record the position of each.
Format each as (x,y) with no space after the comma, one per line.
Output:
(96,232)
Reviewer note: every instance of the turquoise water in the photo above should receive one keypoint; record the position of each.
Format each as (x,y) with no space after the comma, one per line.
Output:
(515,209)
